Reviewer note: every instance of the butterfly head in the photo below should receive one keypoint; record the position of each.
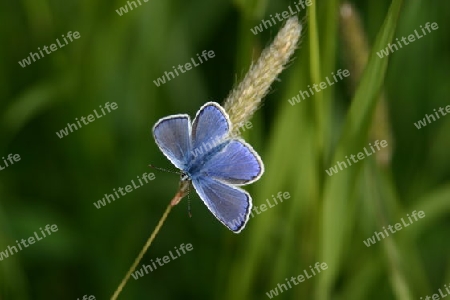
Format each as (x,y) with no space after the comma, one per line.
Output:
(184,177)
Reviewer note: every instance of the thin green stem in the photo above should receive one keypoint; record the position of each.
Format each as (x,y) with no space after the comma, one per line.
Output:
(141,254)
(315,70)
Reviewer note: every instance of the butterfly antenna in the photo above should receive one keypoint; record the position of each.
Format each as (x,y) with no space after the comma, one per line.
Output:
(165,170)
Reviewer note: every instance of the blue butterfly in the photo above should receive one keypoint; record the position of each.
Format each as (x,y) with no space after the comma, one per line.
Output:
(208,155)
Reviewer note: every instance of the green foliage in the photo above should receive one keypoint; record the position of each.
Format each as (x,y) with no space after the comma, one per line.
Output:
(326,218)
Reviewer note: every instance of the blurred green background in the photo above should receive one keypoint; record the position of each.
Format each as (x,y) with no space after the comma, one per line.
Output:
(326,219)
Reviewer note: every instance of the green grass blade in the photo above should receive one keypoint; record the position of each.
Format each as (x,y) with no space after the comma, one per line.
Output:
(339,188)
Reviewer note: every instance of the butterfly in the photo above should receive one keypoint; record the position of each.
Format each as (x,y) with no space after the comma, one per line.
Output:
(212,159)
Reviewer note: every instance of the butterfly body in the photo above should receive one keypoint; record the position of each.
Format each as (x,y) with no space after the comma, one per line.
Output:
(196,163)
(215,163)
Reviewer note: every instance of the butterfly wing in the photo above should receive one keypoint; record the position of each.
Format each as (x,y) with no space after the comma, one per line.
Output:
(211,124)
(172,135)
(230,205)
(230,162)
(236,163)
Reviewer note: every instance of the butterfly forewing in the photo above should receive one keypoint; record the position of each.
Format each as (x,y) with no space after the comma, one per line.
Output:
(172,135)
(236,163)
(210,126)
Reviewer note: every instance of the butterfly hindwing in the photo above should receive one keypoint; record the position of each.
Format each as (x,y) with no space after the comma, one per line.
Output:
(230,205)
